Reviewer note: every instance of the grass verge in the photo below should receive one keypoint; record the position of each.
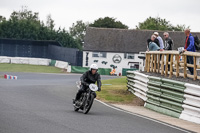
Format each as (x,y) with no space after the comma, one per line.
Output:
(29,68)
(115,91)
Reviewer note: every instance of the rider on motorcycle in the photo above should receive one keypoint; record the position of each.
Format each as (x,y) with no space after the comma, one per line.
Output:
(87,78)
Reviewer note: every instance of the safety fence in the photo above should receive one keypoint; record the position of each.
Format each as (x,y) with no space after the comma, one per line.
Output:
(173,98)
(40,49)
(172,63)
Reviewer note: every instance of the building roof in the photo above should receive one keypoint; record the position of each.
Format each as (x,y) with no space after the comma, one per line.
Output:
(123,40)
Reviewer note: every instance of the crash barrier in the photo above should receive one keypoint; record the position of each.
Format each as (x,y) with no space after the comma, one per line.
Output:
(10,77)
(173,98)
(34,61)
(78,69)
(170,63)
(124,70)
(4,59)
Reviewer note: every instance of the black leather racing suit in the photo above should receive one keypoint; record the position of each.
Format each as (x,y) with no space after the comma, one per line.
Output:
(86,79)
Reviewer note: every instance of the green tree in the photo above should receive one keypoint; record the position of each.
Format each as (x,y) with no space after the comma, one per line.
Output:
(159,24)
(50,22)
(2,18)
(108,22)
(25,24)
(78,31)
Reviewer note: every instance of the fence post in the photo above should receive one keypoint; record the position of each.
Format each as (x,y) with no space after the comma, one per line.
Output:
(155,62)
(146,62)
(171,66)
(195,68)
(162,64)
(158,63)
(177,65)
(166,65)
(152,63)
(185,66)
(148,66)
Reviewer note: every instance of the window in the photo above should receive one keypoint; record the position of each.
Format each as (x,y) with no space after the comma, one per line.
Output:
(128,56)
(99,54)
(134,65)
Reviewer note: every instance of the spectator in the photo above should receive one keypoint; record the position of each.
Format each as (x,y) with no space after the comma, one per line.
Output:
(152,45)
(160,40)
(189,46)
(155,40)
(168,44)
(113,71)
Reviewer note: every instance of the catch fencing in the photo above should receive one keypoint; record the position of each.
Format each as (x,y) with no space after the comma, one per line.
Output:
(40,49)
(173,98)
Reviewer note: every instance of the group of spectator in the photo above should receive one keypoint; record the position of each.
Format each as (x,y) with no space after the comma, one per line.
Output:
(156,44)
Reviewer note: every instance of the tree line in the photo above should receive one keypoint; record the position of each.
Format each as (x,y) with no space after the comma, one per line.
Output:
(25,24)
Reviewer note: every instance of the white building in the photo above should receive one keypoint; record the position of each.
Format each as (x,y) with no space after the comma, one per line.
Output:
(112,59)
(113,48)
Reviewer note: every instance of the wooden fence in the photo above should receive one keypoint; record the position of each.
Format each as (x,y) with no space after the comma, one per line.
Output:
(156,61)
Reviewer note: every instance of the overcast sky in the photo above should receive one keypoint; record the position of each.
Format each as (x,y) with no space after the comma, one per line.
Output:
(129,12)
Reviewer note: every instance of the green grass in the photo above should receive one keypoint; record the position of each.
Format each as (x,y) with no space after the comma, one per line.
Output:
(115,93)
(29,68)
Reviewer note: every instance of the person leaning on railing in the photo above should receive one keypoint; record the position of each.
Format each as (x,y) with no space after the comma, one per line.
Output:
(152,45)
(189,46)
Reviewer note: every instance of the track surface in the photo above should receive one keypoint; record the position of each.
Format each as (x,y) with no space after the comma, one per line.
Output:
(42,103)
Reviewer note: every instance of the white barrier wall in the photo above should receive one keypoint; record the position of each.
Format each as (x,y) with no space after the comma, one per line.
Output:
(61,64)
(33,61)
(4,59)
(19,60)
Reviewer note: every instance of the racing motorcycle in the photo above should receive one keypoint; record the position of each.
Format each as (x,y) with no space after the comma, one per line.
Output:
(86,100)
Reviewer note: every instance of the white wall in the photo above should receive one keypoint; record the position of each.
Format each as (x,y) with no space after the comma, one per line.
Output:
(109,60)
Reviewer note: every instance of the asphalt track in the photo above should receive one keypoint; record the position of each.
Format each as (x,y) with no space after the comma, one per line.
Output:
(42,103)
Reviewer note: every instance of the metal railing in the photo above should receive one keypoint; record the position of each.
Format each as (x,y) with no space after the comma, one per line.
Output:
(158,61)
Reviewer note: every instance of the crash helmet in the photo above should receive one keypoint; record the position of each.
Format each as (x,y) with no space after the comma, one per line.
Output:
(94,66)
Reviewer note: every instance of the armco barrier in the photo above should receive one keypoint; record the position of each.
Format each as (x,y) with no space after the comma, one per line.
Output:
(173,98)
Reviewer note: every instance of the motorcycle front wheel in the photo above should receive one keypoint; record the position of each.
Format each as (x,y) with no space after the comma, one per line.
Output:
(88,104)
(76,109)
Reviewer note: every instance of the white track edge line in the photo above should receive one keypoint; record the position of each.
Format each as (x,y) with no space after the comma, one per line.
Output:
(118,109)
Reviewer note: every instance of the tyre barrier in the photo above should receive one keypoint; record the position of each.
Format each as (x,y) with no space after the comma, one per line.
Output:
(9,77)
(169,97)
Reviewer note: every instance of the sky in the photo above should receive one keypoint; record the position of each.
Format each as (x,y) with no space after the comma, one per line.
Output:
(129,12)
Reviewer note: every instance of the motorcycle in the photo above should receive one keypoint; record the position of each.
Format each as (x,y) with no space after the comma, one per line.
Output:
(86,100)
